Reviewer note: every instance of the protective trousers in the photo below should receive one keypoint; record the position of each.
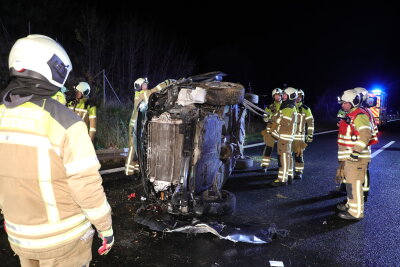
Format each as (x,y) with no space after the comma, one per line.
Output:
(269,147)
(79,255)
(298,148)
(285,161)
(355,176)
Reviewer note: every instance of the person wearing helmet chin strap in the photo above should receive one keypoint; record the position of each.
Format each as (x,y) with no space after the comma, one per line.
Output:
(142,95)
(84,108)
(283,130)
(270,141)
(304,134)
(51,191)
(354,153)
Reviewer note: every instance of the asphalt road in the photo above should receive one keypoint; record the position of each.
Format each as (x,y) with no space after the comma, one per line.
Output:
(317,237)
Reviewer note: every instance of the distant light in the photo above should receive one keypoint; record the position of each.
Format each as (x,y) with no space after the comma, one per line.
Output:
(218,77)
(377,91)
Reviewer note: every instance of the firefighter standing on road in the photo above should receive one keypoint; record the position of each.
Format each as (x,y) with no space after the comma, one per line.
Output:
(304,134)
(283,128)
(270,141)
(84,108)
(364,105)
(354,154)
(50,186)
(142,95)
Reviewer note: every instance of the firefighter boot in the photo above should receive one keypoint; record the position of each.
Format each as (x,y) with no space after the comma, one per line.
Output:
(347,216)
(298,176)
(278,182)
(342,206)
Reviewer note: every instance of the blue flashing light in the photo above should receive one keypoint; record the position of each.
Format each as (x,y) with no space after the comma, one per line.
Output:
(377,91)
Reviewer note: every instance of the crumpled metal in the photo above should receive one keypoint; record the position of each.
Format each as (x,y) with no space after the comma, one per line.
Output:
(247,233)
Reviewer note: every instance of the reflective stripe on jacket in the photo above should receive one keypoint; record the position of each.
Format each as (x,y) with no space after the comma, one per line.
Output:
(50,186)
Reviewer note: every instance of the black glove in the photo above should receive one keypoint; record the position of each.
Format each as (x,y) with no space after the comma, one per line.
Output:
(354,156)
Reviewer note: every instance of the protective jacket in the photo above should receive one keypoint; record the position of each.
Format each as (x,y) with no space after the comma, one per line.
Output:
(355,134)
(284,122)
(85,109)
(50,187)
(141,100)
(305,122)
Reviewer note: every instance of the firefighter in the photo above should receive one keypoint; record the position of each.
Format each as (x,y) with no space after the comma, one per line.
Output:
(50,186)
(364,105)
(270,141)
(354,154)
(84,108)
(283,128)
(141,100)
(304,134)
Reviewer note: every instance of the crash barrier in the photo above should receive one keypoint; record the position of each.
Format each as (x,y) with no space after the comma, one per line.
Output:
(109,154)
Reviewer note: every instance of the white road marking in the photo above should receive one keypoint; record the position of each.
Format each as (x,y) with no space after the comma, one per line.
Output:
(382,148)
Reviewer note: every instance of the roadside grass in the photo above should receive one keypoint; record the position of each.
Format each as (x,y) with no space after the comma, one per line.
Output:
(113,126)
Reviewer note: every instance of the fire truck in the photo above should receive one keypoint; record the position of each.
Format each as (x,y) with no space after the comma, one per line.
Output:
(378,102)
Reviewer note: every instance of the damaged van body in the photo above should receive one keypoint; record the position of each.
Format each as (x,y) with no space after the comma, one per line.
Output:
(189,137)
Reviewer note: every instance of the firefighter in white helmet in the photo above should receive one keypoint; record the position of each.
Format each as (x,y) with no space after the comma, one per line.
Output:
(50,188)
(354,153)
(84,108)
(364,105)
(270,141)
(141,100)
(284,124)
(304,134)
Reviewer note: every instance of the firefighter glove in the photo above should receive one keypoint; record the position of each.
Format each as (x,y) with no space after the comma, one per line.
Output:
(107,238)
(340,173)
(309,138)
(354,156)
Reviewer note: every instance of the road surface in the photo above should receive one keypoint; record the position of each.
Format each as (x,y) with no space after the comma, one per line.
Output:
(317,237)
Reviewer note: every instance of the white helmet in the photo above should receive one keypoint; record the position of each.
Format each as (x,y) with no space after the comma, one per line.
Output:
(276,91)
(84,88)
(300,92)
(40,57)
(363,92)
(291,92)
(139,82)
(351,96)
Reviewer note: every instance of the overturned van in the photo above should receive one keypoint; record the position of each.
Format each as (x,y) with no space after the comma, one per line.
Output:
(189,138)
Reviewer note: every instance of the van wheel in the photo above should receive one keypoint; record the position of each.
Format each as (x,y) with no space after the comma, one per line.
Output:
(223,93)
(244,163)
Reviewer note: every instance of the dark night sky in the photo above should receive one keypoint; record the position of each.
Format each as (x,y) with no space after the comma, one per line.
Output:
(313,46)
